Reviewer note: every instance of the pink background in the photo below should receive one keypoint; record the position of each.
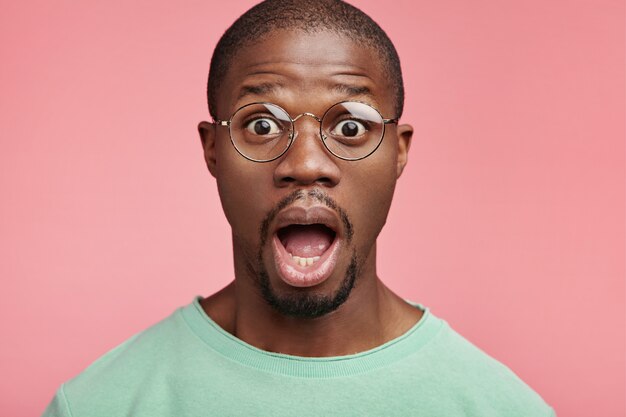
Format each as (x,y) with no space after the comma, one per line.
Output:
(508,223)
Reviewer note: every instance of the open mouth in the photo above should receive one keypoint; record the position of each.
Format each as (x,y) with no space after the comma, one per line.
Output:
(306,254)
(306,243)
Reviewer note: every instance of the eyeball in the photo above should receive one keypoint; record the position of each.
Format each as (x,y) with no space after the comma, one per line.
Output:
(263,126)
(349,129)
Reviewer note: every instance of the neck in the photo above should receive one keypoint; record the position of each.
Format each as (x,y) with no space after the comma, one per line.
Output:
(371,316)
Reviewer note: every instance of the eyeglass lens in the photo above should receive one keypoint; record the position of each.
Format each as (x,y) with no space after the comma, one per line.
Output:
(349,130)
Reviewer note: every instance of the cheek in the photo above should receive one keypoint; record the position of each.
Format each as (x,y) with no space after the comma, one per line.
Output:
(380,179)
(370,194)
(243,190)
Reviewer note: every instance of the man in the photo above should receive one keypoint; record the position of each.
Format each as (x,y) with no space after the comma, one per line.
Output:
(306,148)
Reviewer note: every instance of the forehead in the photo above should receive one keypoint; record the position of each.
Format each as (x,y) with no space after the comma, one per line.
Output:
(295,67)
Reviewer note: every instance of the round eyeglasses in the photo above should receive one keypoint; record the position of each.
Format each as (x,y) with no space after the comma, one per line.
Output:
(263,132)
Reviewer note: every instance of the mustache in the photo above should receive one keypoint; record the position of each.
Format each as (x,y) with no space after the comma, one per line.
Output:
(296,195)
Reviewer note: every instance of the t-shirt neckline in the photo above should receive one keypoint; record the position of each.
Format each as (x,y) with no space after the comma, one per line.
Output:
(309,367)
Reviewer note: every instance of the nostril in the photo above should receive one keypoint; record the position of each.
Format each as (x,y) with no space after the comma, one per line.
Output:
(320,181)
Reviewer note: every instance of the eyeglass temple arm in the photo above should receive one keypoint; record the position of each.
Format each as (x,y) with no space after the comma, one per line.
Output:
(387,121)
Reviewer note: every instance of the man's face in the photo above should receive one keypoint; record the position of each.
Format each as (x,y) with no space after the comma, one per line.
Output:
(305,225)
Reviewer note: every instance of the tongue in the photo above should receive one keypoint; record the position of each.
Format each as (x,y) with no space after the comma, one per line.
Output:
(306,240)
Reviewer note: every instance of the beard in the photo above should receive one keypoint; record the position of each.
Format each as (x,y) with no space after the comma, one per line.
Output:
(304,302)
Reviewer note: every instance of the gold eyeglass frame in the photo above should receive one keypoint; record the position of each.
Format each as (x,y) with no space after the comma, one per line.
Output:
(292,134)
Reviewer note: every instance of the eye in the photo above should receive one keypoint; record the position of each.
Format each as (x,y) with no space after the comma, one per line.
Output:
(349,128)
(263,126)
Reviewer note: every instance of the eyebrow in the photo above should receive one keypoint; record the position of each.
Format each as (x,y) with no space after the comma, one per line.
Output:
(258,89)
(352,90)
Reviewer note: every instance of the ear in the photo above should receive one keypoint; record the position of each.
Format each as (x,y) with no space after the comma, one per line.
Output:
(207,137)
(404,134)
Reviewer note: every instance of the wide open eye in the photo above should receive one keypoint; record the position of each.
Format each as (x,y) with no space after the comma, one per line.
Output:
(263,126)
(348,128)
(352,130)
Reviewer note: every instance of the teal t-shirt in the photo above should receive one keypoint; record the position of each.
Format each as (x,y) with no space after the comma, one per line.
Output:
(186,365)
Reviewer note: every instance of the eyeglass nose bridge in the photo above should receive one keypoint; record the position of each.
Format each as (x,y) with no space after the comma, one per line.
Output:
(295,119)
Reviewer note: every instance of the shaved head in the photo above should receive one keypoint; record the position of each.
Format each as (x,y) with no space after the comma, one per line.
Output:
(307,16)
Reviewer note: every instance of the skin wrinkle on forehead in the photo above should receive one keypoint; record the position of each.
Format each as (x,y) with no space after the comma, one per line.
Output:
(347,71)
(268,88)
(340,63)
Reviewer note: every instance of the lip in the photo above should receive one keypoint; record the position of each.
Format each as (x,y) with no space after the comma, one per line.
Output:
(306,276)
(317,214)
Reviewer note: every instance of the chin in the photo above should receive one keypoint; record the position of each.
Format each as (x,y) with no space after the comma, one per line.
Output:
(308,301)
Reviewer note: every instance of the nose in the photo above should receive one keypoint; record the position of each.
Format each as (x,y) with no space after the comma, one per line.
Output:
(307,162)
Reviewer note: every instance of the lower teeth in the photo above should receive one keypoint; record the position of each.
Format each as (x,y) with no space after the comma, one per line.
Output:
(305,261)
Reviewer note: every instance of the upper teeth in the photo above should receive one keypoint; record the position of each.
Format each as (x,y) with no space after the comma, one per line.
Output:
(302,261)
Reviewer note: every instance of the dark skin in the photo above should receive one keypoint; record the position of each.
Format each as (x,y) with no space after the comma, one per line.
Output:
(304,72)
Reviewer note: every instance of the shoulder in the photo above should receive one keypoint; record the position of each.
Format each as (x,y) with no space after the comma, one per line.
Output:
(476,379)
(141,349)
(129,369)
